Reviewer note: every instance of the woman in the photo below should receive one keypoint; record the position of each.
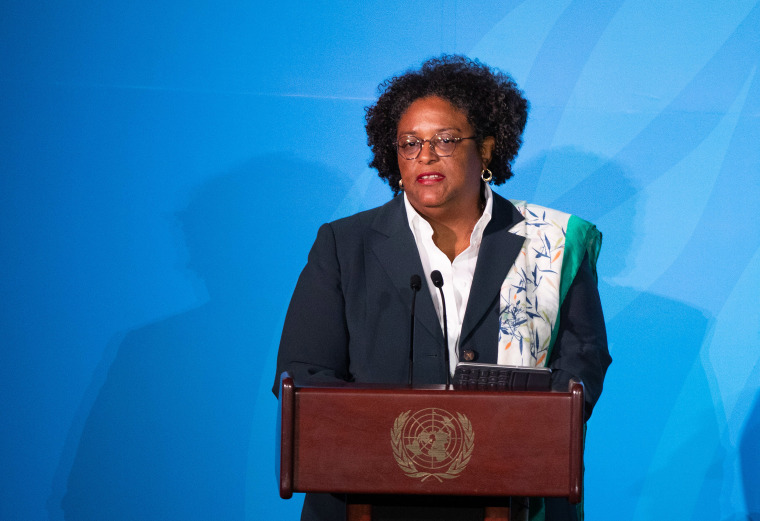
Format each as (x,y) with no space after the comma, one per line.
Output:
(519,280)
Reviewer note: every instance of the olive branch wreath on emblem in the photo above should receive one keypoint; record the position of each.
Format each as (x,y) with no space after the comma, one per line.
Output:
(408,466)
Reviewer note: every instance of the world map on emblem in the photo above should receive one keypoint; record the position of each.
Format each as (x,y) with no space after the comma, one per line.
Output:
(432,438)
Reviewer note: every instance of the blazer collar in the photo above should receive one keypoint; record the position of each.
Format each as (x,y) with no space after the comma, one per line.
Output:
(497,254)
(393,244)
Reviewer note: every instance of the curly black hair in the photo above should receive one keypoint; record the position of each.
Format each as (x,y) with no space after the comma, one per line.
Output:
(493,103)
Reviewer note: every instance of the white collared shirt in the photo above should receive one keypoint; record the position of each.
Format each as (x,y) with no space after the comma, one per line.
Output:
(457,275)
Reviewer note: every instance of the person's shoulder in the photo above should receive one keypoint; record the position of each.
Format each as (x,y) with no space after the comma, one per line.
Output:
(536,211)
(362,220)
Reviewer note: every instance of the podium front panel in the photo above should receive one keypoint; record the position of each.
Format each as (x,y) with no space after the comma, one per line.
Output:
(417,441)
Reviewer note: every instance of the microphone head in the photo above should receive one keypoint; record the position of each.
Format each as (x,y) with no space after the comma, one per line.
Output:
(415,282)
(437,278)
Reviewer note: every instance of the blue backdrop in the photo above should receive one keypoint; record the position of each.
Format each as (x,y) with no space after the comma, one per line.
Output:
(165,166)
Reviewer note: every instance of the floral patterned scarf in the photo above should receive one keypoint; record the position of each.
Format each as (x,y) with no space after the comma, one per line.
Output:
(533,292)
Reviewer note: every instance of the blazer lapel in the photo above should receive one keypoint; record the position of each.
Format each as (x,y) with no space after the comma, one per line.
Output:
(498,252)
(394,246)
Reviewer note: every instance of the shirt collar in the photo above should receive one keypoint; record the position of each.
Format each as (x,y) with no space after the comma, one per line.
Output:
(417,222)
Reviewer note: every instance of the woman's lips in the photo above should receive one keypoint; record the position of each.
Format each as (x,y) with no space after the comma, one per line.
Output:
(429,178)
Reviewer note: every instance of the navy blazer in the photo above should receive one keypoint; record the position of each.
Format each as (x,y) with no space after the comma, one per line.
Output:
(349,320)
(349,317)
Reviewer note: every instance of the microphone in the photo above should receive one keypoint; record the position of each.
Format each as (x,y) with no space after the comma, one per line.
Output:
(415,282)
(437,279)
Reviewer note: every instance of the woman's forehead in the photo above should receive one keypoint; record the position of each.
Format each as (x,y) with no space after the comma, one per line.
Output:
(432,114)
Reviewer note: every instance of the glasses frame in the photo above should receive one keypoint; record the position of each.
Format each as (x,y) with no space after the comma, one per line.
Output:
(456,141)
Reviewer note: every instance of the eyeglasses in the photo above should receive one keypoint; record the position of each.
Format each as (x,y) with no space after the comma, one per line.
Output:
(442,145)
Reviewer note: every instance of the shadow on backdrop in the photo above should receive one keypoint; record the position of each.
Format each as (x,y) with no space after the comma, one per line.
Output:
(749,451)
(654,340)
(167,436)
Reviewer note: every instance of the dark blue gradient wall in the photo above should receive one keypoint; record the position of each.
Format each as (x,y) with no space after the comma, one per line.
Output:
(165,166)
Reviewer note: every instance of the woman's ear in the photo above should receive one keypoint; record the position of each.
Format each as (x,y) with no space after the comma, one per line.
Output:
(486,150)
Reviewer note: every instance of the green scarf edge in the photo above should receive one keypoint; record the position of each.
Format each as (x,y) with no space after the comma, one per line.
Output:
(581,238)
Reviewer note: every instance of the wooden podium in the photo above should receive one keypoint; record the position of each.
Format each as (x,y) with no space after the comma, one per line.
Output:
(370,439)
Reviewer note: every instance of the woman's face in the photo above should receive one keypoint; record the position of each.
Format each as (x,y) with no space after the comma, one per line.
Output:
(442,186)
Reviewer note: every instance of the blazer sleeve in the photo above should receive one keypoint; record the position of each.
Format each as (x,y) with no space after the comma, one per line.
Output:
(581,351)
(314,342)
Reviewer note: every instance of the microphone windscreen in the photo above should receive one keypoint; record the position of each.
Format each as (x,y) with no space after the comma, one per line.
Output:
(415,282)
(437,278)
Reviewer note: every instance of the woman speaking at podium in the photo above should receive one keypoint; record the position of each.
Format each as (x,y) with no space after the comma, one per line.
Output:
(519,280)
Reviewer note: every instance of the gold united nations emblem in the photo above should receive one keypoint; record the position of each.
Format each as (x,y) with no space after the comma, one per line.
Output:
(432,443)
